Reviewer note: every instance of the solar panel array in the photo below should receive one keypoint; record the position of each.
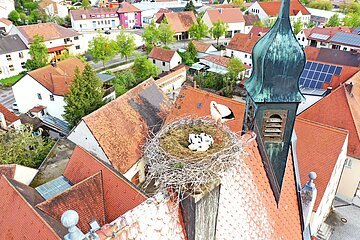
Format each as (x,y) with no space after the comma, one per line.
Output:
(54,187)
(316,74)
(319,36)
(346,39)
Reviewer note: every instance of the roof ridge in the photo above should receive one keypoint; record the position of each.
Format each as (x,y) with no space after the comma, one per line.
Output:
(324,126)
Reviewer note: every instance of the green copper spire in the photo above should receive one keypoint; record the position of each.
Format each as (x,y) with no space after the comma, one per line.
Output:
(278,61)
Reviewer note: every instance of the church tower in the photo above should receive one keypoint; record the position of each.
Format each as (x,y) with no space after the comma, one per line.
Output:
(274,95)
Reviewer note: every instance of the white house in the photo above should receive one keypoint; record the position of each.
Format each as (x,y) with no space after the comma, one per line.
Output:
(94,19)
(233,17)
(13,55)
(268,11)
(321,17)
(172,82)
(346,41)
(6,6)
(164,59)
(53,8)
(8,119)
(5,25)
(56,38)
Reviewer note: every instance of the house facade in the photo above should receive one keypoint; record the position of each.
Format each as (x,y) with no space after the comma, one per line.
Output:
(321,17)
(6,6)
(129,15)
(164,59)
(180,23)
(8,119)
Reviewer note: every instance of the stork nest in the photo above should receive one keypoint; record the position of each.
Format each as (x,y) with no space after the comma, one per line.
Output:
(173,167)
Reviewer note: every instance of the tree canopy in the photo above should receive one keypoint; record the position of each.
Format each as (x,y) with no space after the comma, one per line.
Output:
(297,26)
(124,81)
(14,16)
(352,20)
(150,36)
(218,30)
(198,29)
(102,49)
(38,52)
(21,147)
(190,6)
(143,68)
(125,44)
(85,96)
(334,21)
(320,4)
(165,34)
(235,67)
(85,4)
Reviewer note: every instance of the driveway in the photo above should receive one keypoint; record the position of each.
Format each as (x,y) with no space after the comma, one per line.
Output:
(7,97)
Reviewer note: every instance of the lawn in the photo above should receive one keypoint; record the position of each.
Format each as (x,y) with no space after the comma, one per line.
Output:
(8,82)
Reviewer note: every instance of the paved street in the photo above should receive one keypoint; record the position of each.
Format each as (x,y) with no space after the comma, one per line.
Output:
(346,220)
(6,97)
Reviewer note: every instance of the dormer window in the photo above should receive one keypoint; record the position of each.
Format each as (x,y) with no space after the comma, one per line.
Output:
(274,125)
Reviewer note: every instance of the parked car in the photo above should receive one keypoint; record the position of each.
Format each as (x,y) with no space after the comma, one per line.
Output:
(107,32)
(137,27)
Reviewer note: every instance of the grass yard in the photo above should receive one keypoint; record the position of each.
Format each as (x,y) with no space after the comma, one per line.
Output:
(8,82)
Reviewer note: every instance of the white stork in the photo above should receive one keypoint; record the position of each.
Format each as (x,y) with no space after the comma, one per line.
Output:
(220,113)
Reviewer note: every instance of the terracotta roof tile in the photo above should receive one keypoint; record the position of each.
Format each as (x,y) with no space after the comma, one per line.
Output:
(259,31)
(251,19)
(226,15)
(201,46)
(320,159)
(161,54)
(161,11)
(179,21)
(8,170)
(82,165)
(333,56)
(330,31)
(272,8)
(334,110)
(10,117)
(6,21)
(243,42)
(37,109)
(170,75)
(50,31)
(125,7)
(145,108)
(219,60)
(85,197)
(58,79)
(18,219)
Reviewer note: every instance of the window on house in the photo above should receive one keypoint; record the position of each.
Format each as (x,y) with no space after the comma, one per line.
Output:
(245,55)
(77,47)
(163,63)
(51,97)
(76,38)
(39,96)
(8,57)
(11,67)
(274,125)
(0,71)
(232,53)
(348,163)
(303,39)
(153,61)
(345,48)
(23,65)
(21,55)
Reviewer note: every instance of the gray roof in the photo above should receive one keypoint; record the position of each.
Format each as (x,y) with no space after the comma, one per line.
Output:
(357,30)
(11,43)
(105,77)
(346,39)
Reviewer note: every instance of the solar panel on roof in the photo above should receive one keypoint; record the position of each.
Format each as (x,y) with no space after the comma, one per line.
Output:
(338,71)
(54,187)
(346,39)
(319,36)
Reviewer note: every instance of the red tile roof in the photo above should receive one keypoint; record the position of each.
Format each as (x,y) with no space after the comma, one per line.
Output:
(259,31)
(144,108)
(8,170)
(226,15)
(161,54)
(85,197)
(161,11)
(201,46)
(125,7)
(10,117)
(251,19)
(334,110)
(37,109)
(82,165)
(330,31)
(243,42)
(179,21)
(219,60)
(18,219)
(6,21)
(58,79)
(321,159)
(272,9)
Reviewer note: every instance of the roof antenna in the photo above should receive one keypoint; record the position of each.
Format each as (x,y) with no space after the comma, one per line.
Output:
(69,219)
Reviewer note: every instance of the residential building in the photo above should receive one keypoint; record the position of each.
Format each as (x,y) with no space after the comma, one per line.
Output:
(94,19)
(216,64)
(53,8)
(319,36)
(172,82)
(8,119)
(164,59)
(202,47)
(13,55)
(321,17)
(250,21)
(142,110)
(129,15)
(268,11)
(56,38)
(180,23)
(20,173)
(233,17)
(5,26)
(346,41)
(6,6)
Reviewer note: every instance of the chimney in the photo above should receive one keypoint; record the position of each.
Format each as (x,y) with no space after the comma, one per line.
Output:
(308,197)
(2,121)
(69,219)
(349,87)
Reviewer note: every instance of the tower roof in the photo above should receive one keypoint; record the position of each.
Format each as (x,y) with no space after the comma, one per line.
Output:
(278,62)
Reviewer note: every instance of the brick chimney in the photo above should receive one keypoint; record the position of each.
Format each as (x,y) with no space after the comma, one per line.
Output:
(308,196)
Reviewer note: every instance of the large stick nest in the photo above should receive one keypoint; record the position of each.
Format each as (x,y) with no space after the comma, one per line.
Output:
(172,166)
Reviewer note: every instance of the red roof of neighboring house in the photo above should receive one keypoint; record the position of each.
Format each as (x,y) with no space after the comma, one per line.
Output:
(321,159)
(251,19)
(8,170)
(219,60)
(272,9)
(18,218)
(259,31)
(9,116)
(226,15)
(58,79)
(334,110)
(55,49)
(125,7)
(6,21)
(310,33)
(37,109)
(82,165)
(141,110)
(161,54)
(161,11)
(243,42)
(201,46)
(179,21)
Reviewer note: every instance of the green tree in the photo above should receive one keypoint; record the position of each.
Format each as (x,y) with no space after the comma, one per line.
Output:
(352,20)
(85,96)
(165,34)
(38,52)
(297,26)
(125,44)
(333,21)
(218,30)
(14,16)
(238,3)
(353,7)
(85,4)
(235,67)
(143,68)
(21,147)
(124,81)
(320,4)
(189,57)
(198,29)
(150,36)
(102,49)
(190,6)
